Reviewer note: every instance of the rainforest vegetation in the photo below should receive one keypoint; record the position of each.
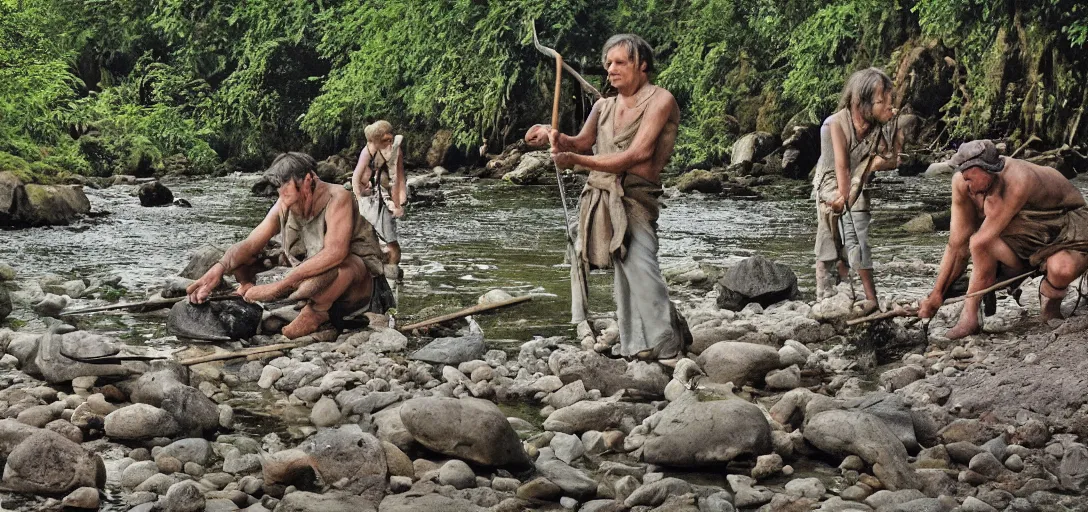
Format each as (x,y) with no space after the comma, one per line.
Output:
(101,87)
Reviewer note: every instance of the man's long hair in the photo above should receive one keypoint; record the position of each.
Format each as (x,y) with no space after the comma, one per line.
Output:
(637,49)
(861,89)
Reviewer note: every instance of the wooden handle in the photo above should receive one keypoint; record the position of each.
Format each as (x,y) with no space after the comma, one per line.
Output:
(558,90)
(466,312)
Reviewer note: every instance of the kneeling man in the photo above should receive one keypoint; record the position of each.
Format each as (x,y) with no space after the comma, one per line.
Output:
(1010,216)
(332,251)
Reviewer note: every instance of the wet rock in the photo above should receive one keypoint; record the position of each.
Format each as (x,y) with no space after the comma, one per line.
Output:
(194,449)
(699,180)
(184,497)
(138,472)
(1073,470)
(940,169)
(810,488)
(788,378)
(657,492)
(6,272)
(453,351)
(973,504)
(756,279)
(532,168)
(82,498)
(899,378)
(349,454)
(609,375)
(334,501)
(572,481)
(51,205)
(690,432)
(51,305)
(46,462)
(155,194)
(220,320)
(584,416)
(896,414)
(539,488)
(457,474)
(567,447)
(567,395)
(140,421)
(845,433)
(767,465)
(467,428)
(738,362)
(753,147)
(325,413)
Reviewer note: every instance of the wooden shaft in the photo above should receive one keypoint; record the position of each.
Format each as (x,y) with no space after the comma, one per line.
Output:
(480,308)
(558,90)
(144,304)
(953,300)
(241,353)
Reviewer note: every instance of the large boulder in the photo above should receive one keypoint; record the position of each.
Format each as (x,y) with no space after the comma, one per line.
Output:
(531,169)
(738,362)
(609,375)
(801,143)
(467,428)
(154,193)
(217,320)
(47,462)
(753,147)
(54,205)
(39,205)
(851,432)
(756,279)
(690,432)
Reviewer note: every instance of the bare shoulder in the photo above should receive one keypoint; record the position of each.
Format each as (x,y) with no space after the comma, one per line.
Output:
(338,196)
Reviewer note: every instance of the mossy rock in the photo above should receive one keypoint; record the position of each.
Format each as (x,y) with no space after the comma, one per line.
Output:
(699,180)
(16,166)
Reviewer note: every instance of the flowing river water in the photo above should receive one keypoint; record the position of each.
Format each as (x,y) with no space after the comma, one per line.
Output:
(487,234)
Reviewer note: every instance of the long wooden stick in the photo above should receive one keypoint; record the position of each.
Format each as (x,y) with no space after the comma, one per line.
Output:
(913,311)
(242,353)
(480,308)
(147,303)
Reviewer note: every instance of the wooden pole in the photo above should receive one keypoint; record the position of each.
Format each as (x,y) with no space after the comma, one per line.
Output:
(558,90)
(480,308)
(953,300)
(153,304)
(242,353)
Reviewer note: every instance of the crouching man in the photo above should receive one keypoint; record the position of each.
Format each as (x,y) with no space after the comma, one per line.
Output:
(332,251)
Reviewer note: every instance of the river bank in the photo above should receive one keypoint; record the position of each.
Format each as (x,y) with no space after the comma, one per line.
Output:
(804,424)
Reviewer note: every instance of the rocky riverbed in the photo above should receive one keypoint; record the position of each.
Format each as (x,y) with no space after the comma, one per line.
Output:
(777,406)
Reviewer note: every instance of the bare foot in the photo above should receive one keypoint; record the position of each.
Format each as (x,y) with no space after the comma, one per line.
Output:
(963,329)
(307,321)
(1052,309)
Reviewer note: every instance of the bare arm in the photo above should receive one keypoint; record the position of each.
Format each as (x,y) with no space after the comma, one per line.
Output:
(641,148)
(360,179)
(338,228)
(241,253)
(842,166)
(888,161)
(581,143)
(957,253)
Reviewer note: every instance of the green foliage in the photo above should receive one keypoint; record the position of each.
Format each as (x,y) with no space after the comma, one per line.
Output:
(102,87)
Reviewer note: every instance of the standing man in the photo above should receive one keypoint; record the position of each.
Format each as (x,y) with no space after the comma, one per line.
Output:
(332,251)
(633,135)
(1009,216)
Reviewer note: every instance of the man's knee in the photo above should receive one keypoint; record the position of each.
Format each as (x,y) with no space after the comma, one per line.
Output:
(981,246)
(1062,268)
